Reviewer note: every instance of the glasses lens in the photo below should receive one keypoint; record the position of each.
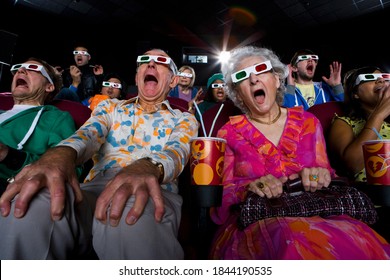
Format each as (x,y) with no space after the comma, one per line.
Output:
(304,57)
(32,67)
(15,68)
(386,76)
(144,58)
(260,67)
(240,75)
(161,59)
(369,77)
(106,84)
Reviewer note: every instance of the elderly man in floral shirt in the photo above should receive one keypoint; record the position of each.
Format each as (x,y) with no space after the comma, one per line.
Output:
(129,206)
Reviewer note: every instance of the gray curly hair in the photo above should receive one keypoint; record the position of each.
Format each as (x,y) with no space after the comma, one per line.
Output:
(231,66)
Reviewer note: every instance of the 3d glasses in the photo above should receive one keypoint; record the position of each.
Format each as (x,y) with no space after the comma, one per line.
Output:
(217,85)
(184,74)
(255,69)
(32,67)
(111,84)
(371,77)
(80,52)
(158,59)
(307,57)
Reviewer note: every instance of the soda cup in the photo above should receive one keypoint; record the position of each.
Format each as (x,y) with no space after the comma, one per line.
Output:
(377,161)
(206,165)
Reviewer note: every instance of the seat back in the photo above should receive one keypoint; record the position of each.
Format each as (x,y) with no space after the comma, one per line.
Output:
(325,113)
(211,120)
(6,101)
(79,112)
(178,103)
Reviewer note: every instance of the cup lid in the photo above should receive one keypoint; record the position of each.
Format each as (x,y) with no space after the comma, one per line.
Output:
(209,138)
(376,141)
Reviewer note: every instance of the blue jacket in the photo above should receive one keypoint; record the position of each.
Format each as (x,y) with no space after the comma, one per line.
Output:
(323,92)
(175,92)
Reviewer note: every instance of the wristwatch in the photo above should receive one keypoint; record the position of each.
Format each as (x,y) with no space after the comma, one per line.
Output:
(159,166)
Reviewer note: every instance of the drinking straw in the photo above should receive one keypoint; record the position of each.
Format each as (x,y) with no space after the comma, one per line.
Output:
(377,133)
(201,118)
(216,117)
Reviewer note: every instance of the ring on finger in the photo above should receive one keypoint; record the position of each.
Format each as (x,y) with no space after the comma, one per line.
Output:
(313,178)
(260,185)
(10,180)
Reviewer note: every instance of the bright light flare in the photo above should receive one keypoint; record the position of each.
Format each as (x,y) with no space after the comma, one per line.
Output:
(224,56)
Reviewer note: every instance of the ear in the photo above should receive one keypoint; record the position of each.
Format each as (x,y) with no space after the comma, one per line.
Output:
(49,87)
(277,81)
(174,81)
(294,69)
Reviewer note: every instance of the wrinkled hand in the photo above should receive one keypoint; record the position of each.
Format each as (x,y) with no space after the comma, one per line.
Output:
(268,186)
(335,74)
(51,171)
(139,179)
(314,178)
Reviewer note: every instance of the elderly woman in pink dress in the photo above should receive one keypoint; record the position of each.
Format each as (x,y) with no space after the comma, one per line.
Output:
(266,146)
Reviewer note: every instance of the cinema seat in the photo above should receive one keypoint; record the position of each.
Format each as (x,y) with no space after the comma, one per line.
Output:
(325,113)
(79,112)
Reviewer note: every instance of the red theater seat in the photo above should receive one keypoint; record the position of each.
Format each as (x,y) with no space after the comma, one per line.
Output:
(79,112)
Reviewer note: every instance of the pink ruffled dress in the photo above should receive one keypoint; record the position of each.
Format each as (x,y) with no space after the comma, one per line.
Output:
(249,155)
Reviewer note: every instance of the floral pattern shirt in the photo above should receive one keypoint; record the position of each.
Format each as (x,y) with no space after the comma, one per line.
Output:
(120,132)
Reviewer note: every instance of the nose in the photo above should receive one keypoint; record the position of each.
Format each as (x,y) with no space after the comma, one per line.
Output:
(21,70)
(253,78)
(152,63)
(381,80)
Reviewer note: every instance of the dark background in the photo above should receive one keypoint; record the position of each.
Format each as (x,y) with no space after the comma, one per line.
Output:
(115,40)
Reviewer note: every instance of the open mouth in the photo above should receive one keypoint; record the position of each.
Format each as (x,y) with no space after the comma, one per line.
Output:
(259,92)
(378,89)
(150,78)
(259,95)
(21,82)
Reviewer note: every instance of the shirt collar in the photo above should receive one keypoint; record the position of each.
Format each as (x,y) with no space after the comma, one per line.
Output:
(160,106)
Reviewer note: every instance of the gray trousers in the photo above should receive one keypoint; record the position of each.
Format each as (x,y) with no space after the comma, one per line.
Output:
(78,235)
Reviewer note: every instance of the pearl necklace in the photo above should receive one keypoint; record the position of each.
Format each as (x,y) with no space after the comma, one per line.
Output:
(270,122)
